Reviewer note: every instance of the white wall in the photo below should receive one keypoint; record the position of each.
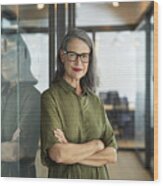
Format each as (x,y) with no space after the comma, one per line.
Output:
(117,60)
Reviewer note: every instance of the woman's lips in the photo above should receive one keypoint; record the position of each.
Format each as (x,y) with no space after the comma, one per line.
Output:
(76,69)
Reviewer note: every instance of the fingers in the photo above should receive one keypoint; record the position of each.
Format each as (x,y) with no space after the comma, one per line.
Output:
(16,135)
(60,136)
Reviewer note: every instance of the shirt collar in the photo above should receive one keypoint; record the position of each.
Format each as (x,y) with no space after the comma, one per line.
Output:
(68,88)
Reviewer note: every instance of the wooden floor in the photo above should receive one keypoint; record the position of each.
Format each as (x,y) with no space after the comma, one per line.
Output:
(128,167)
(41,171)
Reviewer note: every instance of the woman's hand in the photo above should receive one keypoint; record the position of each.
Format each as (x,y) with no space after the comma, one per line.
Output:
(58,133)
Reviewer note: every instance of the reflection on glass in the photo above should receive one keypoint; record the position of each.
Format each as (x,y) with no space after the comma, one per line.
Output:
(24,71)
(117,69)
(20,109)
(140,97)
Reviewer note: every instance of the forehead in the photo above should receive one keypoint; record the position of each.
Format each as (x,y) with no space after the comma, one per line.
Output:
(78,45)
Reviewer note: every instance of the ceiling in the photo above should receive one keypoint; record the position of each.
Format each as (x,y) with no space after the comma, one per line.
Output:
(87,14)
(107,14)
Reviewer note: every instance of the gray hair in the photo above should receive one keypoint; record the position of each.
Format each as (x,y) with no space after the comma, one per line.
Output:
(90,79)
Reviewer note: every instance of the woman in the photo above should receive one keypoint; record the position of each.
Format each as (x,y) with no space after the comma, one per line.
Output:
(20,110)
(77,140)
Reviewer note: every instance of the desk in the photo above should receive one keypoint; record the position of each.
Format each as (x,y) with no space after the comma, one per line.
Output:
(122,119)
(111,107)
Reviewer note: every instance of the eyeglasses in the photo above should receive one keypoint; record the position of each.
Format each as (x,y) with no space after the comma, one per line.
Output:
(73,56)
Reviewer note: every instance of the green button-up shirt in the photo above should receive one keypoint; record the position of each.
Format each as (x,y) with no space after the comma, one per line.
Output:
(81,118)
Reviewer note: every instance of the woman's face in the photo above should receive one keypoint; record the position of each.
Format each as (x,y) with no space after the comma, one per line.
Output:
(76,59)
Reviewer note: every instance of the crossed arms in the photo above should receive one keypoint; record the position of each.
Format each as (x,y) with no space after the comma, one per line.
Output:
(92,153)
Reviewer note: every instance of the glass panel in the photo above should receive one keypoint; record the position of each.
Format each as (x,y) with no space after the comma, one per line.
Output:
(140,127)
(9,97)
(38,47)
(107,13)
(24,78)
(140,96)
(117,60)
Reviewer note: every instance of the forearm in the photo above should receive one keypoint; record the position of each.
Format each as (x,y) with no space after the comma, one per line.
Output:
(105,156)
(73,153)
(9,151)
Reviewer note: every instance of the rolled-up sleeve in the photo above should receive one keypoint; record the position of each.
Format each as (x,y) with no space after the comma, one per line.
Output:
(49,122)
(108,134)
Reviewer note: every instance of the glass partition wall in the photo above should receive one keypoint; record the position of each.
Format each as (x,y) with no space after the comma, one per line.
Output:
(124,45)
(117,61)
(31,35)
(144,118)
(25,65)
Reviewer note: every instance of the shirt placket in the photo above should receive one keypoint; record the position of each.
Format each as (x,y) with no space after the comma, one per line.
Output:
(82,116)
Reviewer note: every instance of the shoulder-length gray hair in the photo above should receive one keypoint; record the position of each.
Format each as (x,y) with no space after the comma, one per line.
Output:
(90,79)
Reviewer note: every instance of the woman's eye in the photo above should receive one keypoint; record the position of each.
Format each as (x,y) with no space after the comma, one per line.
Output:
(72,54)
(85,55)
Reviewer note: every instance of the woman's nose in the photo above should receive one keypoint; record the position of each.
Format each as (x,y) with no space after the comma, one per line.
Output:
(78,60)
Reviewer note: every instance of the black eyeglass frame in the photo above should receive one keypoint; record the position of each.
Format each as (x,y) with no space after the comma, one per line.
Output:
(78,55)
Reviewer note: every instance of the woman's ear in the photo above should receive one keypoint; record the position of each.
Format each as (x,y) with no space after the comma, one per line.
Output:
(62,56)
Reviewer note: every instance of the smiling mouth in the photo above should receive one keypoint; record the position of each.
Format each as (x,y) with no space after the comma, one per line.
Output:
(76,69)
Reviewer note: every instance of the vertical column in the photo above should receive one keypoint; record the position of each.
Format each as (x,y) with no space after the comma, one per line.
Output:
(148,93)
(61,22)
(52,46)
(71,15)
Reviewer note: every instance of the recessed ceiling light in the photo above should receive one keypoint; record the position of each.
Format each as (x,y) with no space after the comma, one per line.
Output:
(115,4)
(40,6)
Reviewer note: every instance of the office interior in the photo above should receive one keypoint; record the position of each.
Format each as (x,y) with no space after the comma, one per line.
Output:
(123,34)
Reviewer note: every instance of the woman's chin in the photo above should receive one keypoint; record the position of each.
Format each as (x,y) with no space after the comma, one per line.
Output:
(75,76)
(78,76)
